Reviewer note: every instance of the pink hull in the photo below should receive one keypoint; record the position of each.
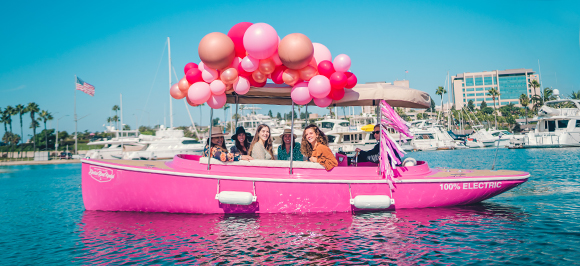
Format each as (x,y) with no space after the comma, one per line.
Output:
(185,186)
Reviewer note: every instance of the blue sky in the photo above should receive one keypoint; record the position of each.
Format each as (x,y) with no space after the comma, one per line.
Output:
(117,46)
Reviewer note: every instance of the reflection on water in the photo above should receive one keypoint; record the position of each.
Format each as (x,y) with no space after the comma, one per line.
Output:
(43,221)
(406,236)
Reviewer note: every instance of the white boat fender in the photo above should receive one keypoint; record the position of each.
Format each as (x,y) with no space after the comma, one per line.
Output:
(409,162)
(372,201)
(236,197)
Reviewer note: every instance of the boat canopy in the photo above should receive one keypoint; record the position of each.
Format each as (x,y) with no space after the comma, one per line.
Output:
(361,95)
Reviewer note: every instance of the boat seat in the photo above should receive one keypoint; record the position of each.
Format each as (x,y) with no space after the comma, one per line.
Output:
(265,163)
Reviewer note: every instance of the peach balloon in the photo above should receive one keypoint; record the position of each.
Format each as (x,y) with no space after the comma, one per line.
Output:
(290,76)
(183,85)
(216,50)
(176,93)
(190,103)
(229,76)
(259,76)
(308,72)
(295,50)
(267,66)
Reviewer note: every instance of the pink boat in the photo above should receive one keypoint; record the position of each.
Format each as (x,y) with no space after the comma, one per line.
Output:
(187,184)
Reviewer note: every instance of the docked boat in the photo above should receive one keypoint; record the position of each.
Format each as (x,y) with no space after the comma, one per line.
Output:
(167,143)
(558,126)
(482,137)
(195,184)
(114,147)
(429,136)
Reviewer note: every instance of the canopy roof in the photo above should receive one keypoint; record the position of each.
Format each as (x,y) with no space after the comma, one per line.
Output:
(361,95)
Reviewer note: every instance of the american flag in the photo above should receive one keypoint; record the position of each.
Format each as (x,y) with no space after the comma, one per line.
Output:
(85,87)
(406,71)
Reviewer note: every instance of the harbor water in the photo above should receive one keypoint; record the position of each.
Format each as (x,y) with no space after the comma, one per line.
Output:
(43,221)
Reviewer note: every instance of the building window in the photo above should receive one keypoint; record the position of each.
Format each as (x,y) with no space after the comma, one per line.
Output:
(479,99)
(470,94)
(470,89)
(469,82)
(480,94)
(487,81)
(479,89)
(478,81)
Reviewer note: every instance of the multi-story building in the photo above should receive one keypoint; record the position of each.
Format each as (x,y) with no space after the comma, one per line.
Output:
(510,83)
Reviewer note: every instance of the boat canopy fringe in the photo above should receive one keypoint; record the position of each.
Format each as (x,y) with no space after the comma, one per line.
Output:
(361,95)
(391,151)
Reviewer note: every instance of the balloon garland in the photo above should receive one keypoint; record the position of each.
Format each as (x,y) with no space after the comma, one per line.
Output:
(250,54)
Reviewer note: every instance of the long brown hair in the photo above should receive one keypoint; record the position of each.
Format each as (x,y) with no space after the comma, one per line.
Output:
(241,146)
(306,148)
(267,143)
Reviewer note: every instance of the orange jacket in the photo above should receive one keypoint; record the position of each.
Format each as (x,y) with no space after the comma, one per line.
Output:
(324,156)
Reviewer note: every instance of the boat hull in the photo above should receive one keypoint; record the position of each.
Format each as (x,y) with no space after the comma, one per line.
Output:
(154,187)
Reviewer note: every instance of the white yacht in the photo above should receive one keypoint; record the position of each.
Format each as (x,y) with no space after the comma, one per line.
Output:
(166,143)
(429,136)
(502,137)
(112,147)
(481,138)
(252,121)
(558,125)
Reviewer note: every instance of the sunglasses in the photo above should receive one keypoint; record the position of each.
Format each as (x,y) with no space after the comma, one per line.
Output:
(377,132)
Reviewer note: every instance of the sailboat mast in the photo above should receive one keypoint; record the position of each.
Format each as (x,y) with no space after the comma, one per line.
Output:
(170,102)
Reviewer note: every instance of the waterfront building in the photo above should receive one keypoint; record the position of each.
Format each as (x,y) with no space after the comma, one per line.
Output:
(510,83)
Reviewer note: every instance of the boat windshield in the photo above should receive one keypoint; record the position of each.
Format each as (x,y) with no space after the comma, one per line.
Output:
(327,125)
(424,136)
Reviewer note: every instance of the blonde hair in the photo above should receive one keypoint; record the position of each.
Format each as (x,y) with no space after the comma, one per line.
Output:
(267,143)
(306,148)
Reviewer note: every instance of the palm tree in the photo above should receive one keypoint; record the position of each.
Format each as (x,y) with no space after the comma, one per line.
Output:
(3,120)
(44,117)
(549,94)
(494,94)
(21,110)
(575,95)
(226,107)
(10,111)
(116,109)
(525,101)
(32,108)
(330,110)
(441,91)
(534,84)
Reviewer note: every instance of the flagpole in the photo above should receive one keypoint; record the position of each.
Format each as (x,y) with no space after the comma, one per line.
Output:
(76,134)
(170,102)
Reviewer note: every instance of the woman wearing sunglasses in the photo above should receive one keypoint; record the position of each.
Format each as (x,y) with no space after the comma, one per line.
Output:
(371,156)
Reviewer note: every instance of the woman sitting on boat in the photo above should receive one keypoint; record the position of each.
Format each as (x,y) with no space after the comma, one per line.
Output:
(241,142)
(216,148)
(288,141)
(371,156)
(315,147)
(261,147)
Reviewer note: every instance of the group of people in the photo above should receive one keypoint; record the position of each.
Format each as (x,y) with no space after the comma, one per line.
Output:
(313,148)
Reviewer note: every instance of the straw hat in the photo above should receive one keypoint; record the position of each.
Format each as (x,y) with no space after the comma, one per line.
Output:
(217,132)
(281,138)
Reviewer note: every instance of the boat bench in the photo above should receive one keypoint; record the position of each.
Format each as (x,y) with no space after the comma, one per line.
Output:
(265,163)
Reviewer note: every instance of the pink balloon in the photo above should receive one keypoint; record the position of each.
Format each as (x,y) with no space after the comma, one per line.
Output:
(189,66)
(236,62)
(319,86)
(337,80)
(176,93)
(261,40)
(277,75)
(326,68)
(193,75)
(242,86)
(341,63)
(190,103)
(217,87)
(276,58)
(209,75)
(351,80)
(321,53)
(300,94)
(199,93)
(217,101)
(336,94)
(236,33)
(250,64)
(323,102)
(201,66)
(183,85)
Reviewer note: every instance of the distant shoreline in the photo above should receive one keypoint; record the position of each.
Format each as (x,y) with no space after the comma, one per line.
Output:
(39,162)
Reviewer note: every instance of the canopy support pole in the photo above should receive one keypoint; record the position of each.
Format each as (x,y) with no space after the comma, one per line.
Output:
(209,136)
(380,118)
(306,117)
(291,134)
(236,124)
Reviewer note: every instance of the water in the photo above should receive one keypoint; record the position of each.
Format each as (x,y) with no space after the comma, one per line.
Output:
(43,221)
